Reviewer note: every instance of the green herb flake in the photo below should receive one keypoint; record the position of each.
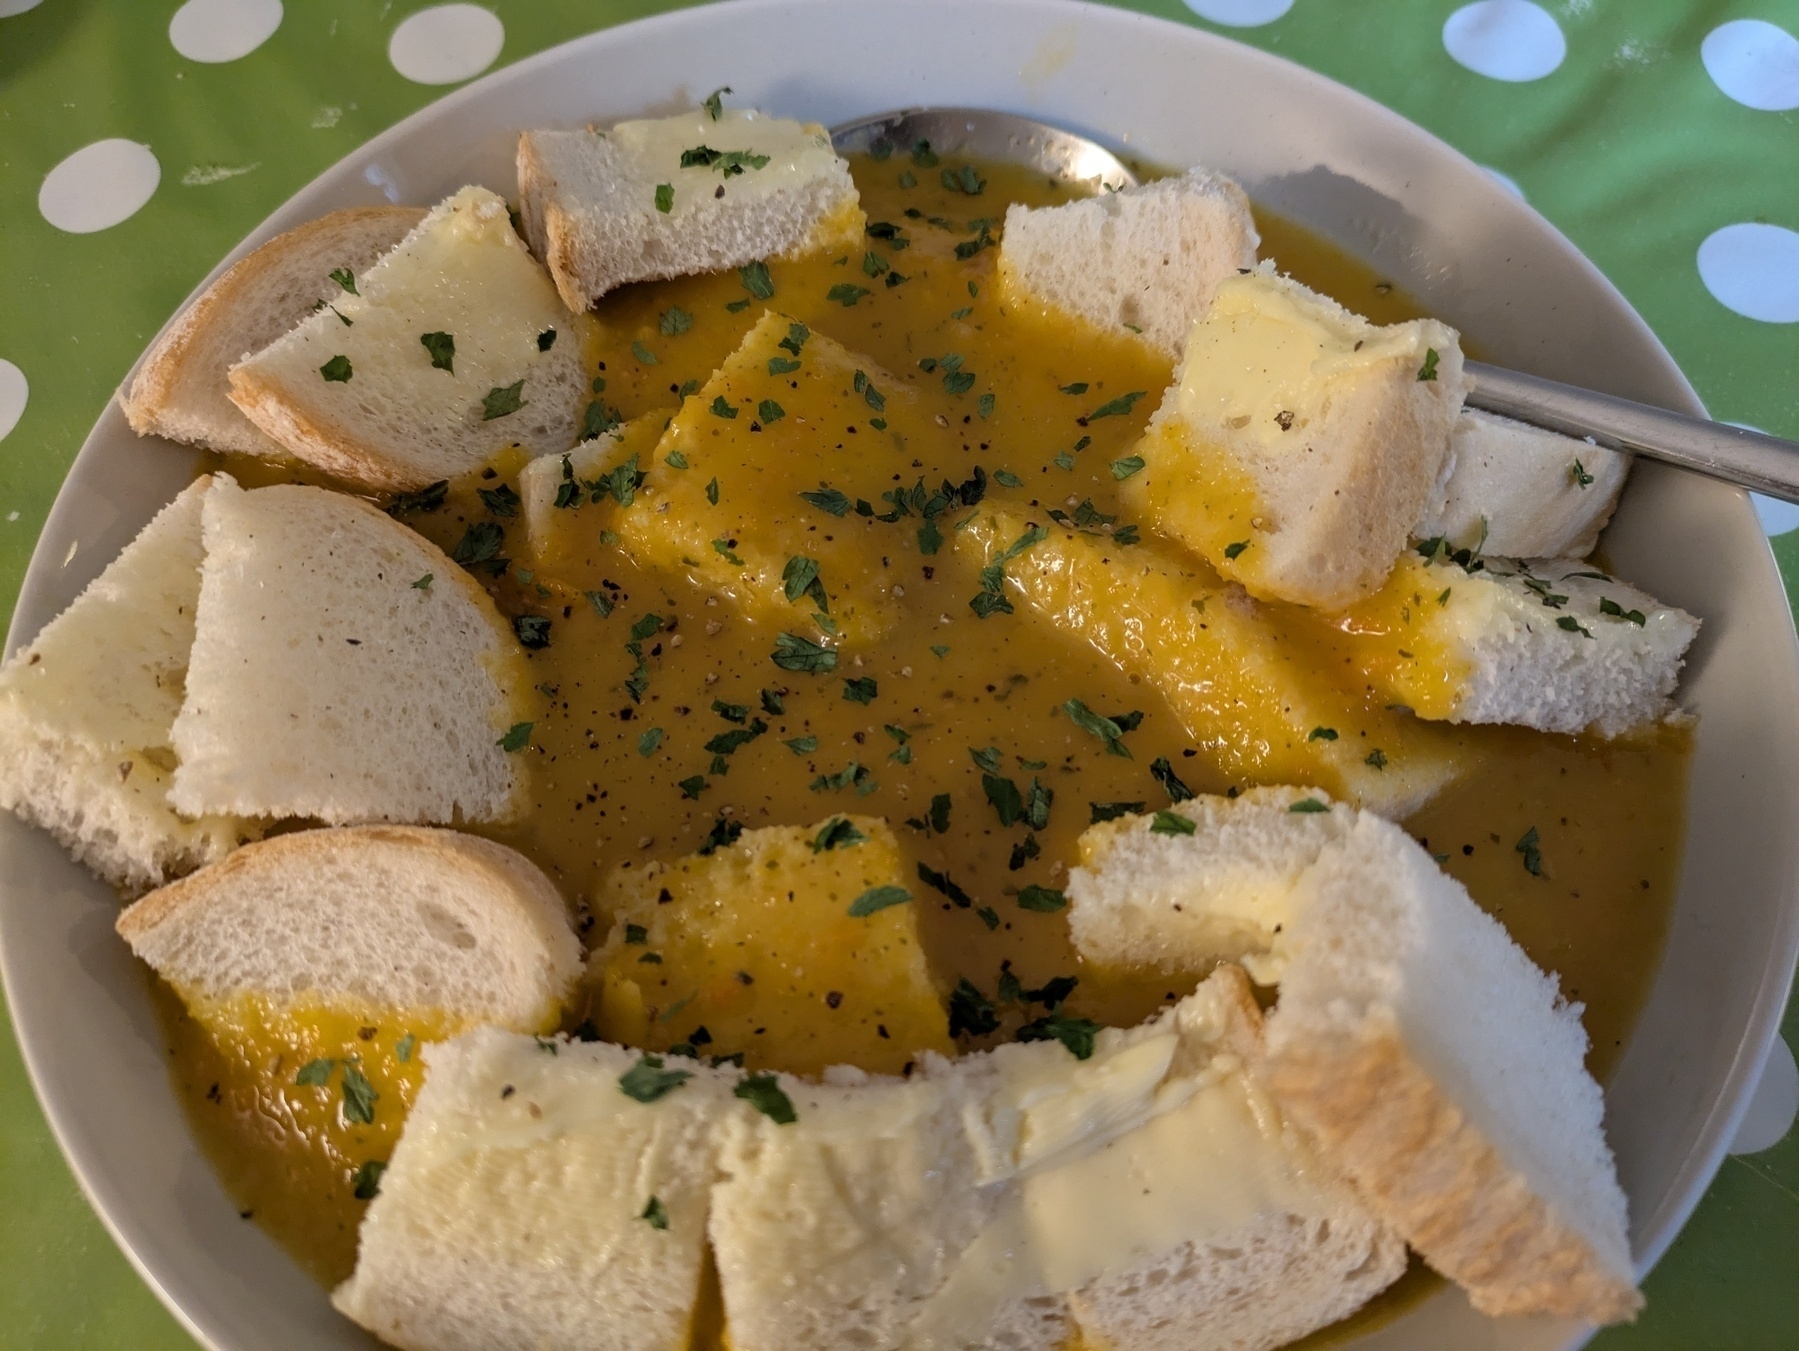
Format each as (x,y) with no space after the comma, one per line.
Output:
(1124,468)
(1042,900)
(1171,782)
(721,408)
(423,583)
(1572,625)
(665,197)
(647,743)
(1322,734)
(756,280)
(846,293)
(344,278)
(714,106)
(1308,806)
(1116,407)
(802,745)
(601,602)
(876,899)
(533,631)
(442,349)
(1608,606)
(793,653)
(860,689)
(655,1214)
(722,547)
(636,934)
(782,365)
(1075,1034)
(828,499)
(336,370)
(1530,847)
(315,1073)
(963,180)
(359,1095)
(1428,371)
(1376,758)
(1581,478)
(1111,811)
(501,501)
(366,1184)
(712,491)
(770,411)
(1106,729)
(1236,550)
(644,354)
(838,833)
(763,1092)
(971,1013)
(517,737)
(1171,823)
(647,1080)
(691,788)
(502,400)
(1078,387)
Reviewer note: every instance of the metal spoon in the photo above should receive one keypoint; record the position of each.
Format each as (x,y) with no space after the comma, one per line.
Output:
(1765,464)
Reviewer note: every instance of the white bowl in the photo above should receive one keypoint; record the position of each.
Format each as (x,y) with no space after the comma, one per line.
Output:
(1431,220)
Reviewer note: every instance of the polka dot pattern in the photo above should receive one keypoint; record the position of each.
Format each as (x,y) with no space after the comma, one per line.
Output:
(1511,40)
(1754,62)
(1240,13)
(8,8)
(99,185)
(215,31)
(446,44)
(1753,269)
(15,391)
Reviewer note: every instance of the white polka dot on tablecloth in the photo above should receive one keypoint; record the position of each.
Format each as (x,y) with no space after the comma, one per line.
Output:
(1240,13)
(1754,62)
(1505,181)
(1773,1105)
(1512,40)
(8,8)
(15,390)
(446,44)
(1753,269)
(223,30)
(98,186)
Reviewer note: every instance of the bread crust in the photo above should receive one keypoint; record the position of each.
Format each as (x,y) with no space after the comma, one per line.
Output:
(175,357)
(317,442)
(1425,1169)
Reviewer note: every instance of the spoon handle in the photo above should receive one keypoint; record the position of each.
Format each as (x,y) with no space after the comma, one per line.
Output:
(1766,464)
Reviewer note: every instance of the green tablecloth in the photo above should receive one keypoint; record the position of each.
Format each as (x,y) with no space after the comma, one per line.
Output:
(1661,135)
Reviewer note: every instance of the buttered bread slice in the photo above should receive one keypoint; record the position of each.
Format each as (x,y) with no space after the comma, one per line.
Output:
(87,708)
(672,196)
(182,390)
(343,668)
(452,346)
(1299,443)
(569,499)
(1146,259)
(546,1193)
(1423,1052)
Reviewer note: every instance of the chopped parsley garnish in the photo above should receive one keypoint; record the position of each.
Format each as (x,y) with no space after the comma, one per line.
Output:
(533,631)
(971,1013)
(860,689)
(1170,781)
(876,899)
(937,819)
(793,653)
(838,833)
(874,265)
(636,934)
(598,419)
(1307,806)
(502,400)
(442,348)
(1124,468)
(1573,625)
(665,197)
(944,883)
(601,602)
(337,369)
(1074,1033)
(801,745)
(738,713)
(480,543)
(987,758)
(770,411)
(958,382)
(647,1080)
(315,1073)
(723,835)
(727,743)
(423,583)
(344,278)
(800,578)
(428,498)
(517,737)
(647,743)
(782,365)
(756,280)
(722,547)
(772,703)
(984,405)
(1578,473)
(675,460)
(729,163)
(546,340)
(851,775)
(1007,479)
(655,1214)
(1043,900)
(501,501)
(692,787)
(1111,811)
(720,408)
(763,1092)
(828,499)
(359,1095)
(1608,606)
(1116,407)
(846,293)
(712,491)
(1530,847)
(644,355)
(963,180)
(366,1184)
(992,597)
(674,321)
(1171,823)
(1235,550)
(1078,387)
(1322,734)
(403,1048)
(1428,371)
(714,104)
(1108,730)
(1377,758)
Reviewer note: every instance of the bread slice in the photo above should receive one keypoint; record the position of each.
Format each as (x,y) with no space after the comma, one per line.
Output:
(368,390)
(86,710)
(1252,701)
(761,941)
(1146,259)
(592,201)
(1299,443)
(1521,492)
(1148,897)
(343,668)
(1553,644)
(367,917)
(566,496)
(1443,1073)
(180,390)
(1011,1199)
(1427,1058)
(531,1202)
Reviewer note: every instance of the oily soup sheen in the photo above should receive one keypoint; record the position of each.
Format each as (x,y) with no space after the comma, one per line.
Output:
(932,719)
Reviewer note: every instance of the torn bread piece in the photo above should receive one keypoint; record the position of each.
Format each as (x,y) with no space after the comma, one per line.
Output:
(1425,1054)
(569,499)
(343,668)
(672,196)
(1521,492)
(87,707)
(1145,259)
(545,1193)
(752,490)
(1015,1198)
(1299,443)
(181,389)
(366,918)
(1251,702)
(453,347)
(1548,643)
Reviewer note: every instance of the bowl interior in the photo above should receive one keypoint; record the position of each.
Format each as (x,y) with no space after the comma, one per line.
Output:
(1314,151)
